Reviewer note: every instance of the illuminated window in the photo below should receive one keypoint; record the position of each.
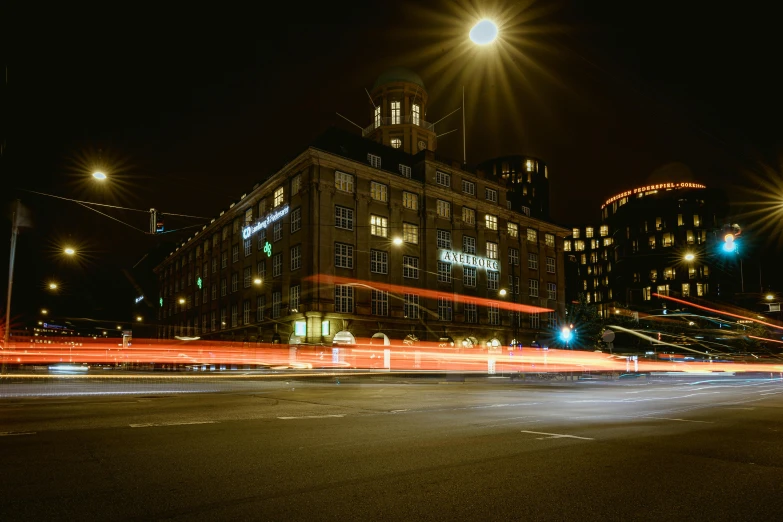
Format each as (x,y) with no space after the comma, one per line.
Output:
(696,220)
(492,250)
(680,221)
(468,216)
(589,232)
(410,233)
(343,181)
(410,200)
(689,238)
(416,113)
(248,219)
(658,224)
(663,290)
(608,241)
(396,143)
(647,293)
(692,272)
(579,245)
(566,246)
(469,244)
(377,117)
(686,289)
(651,242)
(653,275)
(575,233)
(491,195)
(443,209)
(468,187)
(549,240)
(444,272)
(379,191)
(380,302)
(343,299)
(278,197)
(604,230)
(296,257)
(491,222)
(441,178)
(513,230)
(668,273)
(532,235)
(530,165)
(343,255)
(700,289)
(395,113)
(443,239)
(667,239)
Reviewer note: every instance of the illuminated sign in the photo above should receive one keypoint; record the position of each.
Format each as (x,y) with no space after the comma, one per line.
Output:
(199,282)
(468,259)
(268,249)
(300,328)
(161,301)
(648,188)
(138,299)
(268,220)
(325,327)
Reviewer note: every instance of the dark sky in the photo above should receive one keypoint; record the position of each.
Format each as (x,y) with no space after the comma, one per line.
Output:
(188,108)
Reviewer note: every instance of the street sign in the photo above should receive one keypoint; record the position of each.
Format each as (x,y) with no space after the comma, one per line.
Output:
(608,336)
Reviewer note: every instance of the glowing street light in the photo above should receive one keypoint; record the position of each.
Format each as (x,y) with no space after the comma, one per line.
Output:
(484,32)
(52,286)
(689,257)
(397,241)
(139,318)
(181,300)
(770,297)
(257,281)
(502,291)
(44,311)
(69,251)
(100,176)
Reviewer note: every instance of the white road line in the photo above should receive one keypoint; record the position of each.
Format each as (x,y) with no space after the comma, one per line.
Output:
(681,420)
(13,433)
(157,424)
(556,435)
(312,417)
(771,393)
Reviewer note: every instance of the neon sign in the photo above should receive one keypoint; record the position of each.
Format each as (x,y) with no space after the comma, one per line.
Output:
(268,220)
(659,186)
(268,249)
(467,259)
(138,299)
(199,282)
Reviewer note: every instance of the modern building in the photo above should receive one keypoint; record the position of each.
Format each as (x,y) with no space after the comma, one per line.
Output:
(663,239)
(372,236)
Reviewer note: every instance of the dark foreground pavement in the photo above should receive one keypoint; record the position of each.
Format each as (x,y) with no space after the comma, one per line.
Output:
(372,449)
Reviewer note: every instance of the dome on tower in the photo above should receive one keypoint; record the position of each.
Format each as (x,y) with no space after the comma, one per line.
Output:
(398,74)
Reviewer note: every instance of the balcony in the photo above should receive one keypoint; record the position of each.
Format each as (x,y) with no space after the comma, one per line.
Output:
(403,120)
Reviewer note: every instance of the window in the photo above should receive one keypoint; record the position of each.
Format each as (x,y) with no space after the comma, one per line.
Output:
(410,308)
(444,209)
(261,208)
(380,302)
(513,230)
(468,187)
(214,291)
(296,184)
(608,241)
(410,267)
(395,113)
(513,282)
(604,231)
(667,239)
(234,315)
(468,216)
(261,239)
(680,221)
(575,233)
(493,280)
(493,314)
(410,233)
(532,261)
(235,253)
(379,262)
(469,275)
(692,272)
(379,191)
(278,231)
(416,113)
(696,220)
(377,117)
(444,272)
(469,244)
(296,257)
(234,282)
(261,270)
(535,321)
(410,200)
(248,244)
(277,298)
(278,198)
(669,273)
(513,256)
(248,220)
(532,286)
(566,246)
(223,287)
(296,219)
(260,305)
(646,293)
(663,290)
(441,178)
(405,171)
(491,195)
(237,226)
(686,289)
(246,312)
(589,232)
(379,226)
(444,239)
(532,235)
(343,299)
(700,289)
(551,291)
(374,160)
(491,222)
(471,313)
(224,233)
(343,181)
(277,265)
(550,265)
(293,298)
(396,143)
(343,218)
(492,250)
(212,321)
(651,242)
(444,309)
(247,277)
(689,237)
(343,255)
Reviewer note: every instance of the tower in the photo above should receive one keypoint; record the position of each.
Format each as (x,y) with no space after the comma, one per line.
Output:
(398,114)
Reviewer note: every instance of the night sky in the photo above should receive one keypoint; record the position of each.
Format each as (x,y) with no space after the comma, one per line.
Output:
(186,109)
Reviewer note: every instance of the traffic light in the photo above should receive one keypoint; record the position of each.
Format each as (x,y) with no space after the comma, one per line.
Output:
(159,225)
(729,234)
(156,222)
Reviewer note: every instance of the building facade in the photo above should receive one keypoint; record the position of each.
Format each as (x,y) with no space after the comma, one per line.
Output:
(657,239)
(370,236)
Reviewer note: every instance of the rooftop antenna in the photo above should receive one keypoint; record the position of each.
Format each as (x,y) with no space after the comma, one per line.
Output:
(368,95)
(349,121)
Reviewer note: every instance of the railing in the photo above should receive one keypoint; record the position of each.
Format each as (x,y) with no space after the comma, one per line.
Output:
(399,121)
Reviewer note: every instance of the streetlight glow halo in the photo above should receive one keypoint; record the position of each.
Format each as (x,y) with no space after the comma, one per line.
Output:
(484,32)
(99,175)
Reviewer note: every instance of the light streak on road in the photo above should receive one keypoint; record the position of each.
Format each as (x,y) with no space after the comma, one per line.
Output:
(719,312)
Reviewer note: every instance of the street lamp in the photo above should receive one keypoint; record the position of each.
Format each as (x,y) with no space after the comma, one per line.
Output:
(181,300)
(44,311)
(484,32)
(689,257)
(138,318)
(69,251)
(100,176)
(770,297)
(52,286)
(257,281)
(397,241)
(502,291)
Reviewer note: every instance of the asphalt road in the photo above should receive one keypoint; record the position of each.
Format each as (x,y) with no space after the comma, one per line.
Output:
(399,449)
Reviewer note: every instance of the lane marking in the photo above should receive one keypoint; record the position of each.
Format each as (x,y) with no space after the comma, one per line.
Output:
(556,435)
(312,417)
(681,420)
(159,424)
(14,433)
